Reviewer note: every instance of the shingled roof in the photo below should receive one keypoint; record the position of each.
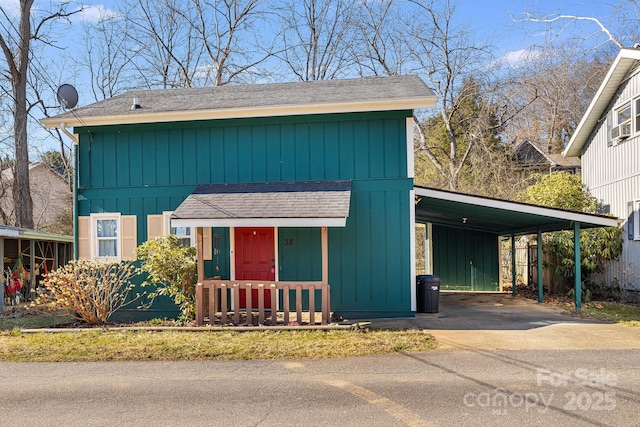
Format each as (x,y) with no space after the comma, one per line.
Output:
(258,100)
(296,203)
(619,70)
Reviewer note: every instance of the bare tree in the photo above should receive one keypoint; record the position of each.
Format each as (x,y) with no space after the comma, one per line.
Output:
(190,43)
(110,56)
(562,85)
(380,46)
(16,44)
(564,68)
(316,38)
(558,19)
(446,56)
(168,52)
(225,28)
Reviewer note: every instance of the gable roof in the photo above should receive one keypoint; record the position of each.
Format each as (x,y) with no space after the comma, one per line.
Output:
(525,148)
(7,174)
(616,74)
(291,204)
(259,100)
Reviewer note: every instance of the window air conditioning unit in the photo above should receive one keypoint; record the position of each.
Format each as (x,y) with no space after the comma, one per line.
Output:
(621,131)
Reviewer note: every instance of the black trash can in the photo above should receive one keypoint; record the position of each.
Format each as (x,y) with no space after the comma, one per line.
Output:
(428,290)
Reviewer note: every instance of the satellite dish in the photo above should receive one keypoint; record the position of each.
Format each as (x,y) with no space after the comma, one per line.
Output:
(68,96)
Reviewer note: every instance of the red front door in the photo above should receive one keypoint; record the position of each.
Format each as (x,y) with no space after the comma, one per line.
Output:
(255,260)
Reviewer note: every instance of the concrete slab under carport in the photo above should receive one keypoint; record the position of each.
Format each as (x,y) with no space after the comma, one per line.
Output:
(497,321)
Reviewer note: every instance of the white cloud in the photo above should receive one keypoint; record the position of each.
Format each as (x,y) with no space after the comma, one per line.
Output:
(95,13)
(10,7)
(90,13)
(518,57)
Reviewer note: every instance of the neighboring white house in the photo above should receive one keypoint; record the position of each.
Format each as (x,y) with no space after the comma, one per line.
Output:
(608,141)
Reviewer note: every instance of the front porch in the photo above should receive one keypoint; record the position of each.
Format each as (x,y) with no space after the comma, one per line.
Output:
(254,290)
(231,302)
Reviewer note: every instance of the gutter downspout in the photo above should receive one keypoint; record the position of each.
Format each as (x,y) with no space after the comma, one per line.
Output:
(74,138)
(76,175)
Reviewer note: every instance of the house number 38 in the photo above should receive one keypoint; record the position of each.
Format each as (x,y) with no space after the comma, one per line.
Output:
(288,242)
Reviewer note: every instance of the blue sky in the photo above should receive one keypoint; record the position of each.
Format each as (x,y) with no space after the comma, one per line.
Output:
(489,21)
(493,21)
(489,18)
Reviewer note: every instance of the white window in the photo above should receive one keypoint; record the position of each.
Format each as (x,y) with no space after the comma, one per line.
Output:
(621,124)
(106,234)
(623,114)
(633,223)
(186,234)
(637,115)
(160,225)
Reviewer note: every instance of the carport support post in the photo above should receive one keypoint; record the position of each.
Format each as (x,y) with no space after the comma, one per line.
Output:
(540,277)
(513,265)
(576,265)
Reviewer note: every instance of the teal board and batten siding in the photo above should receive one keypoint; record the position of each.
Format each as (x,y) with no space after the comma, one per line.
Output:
(146,169)
(465,259)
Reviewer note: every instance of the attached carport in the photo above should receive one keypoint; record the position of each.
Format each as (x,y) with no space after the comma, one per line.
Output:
(457,211)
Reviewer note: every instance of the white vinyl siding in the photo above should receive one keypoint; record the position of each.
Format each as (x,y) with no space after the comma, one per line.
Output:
(612,175)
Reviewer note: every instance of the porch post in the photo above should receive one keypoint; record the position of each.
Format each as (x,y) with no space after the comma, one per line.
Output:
(576,265)
(200,252)
(325,254)
(200,269)
(32,270)
(513,264)
(540,277)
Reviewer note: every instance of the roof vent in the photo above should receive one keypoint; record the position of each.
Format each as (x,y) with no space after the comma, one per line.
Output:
(136,104)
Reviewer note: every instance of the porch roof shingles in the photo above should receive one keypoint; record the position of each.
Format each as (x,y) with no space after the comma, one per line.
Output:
(304,203)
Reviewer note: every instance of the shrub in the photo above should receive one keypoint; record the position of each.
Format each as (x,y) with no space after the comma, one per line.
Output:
(89,291)
(171,268)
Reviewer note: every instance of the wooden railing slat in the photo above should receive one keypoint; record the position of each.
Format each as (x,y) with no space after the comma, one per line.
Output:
(312,305)
(285,302)
(299,304)
(274,311)
(199,308)
(261,304)
(249,304)
(325,305)
(223,303)
(236,304)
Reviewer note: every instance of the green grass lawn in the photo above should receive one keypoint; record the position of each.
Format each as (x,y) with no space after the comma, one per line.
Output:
(106,345)
(626,314)
(102,344)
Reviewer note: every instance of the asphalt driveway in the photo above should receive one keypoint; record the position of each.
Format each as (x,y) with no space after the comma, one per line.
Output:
(504,322)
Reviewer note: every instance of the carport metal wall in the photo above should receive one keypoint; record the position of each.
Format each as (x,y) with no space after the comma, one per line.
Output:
(505,218)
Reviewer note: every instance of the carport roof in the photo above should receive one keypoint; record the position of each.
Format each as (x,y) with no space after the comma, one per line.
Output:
(498,216)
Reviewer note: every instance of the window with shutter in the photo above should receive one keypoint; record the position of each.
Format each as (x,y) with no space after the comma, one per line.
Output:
(84,237)
(186,234)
